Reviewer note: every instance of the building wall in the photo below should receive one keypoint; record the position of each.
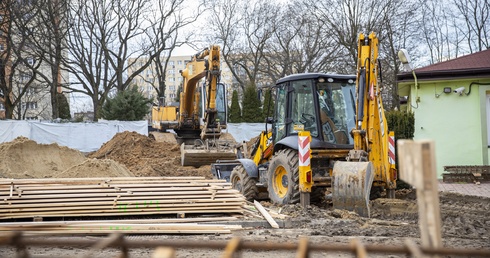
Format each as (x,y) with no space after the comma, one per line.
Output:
(456,123)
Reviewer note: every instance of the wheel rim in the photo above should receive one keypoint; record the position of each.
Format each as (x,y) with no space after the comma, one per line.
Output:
(281,181)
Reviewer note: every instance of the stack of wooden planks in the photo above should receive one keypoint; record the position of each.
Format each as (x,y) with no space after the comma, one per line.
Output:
(79,197)
(130,226)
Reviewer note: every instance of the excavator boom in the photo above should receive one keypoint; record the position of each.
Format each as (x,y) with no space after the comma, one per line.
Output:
(368,163)
(198,122)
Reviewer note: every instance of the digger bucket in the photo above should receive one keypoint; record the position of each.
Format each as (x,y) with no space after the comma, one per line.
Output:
(197,156)
(352,183)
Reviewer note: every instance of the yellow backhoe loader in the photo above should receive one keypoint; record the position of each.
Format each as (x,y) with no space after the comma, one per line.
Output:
(349,139)
(201,115)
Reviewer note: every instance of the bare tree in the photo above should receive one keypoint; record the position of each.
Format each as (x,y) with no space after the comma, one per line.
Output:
(300,44)
(476,17)
(18,71)
(170,18)
(104,34)
(48,38)
(244,29)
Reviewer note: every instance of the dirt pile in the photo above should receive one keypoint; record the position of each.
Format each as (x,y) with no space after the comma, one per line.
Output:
(24,158)
(147,157)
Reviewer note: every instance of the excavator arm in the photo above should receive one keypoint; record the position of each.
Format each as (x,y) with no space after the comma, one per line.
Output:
(200,67)
(368,163)
(202,144)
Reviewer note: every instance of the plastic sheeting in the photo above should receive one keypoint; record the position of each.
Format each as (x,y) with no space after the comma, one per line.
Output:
(85,137)
(246,131)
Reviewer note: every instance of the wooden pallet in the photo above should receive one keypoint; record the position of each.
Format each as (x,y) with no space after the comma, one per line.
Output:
(74,197)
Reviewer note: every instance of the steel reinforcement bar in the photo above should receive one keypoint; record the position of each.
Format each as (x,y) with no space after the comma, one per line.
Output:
(236,245)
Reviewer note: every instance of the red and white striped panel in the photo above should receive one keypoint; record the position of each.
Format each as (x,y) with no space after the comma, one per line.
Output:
(391,151)
(304,150)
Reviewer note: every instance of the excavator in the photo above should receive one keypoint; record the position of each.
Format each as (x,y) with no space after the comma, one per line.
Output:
(349,153)
(201,116)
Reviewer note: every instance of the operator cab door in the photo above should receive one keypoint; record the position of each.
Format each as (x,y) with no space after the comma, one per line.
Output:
(295,107)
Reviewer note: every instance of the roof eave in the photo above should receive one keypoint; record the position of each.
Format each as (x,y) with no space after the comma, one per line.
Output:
(445,74)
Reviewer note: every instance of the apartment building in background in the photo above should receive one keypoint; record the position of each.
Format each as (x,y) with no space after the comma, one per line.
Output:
(35,103)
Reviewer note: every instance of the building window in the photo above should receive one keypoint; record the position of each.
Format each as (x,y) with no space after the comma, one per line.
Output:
(31,91)
(172,88)
(171,63)
(1,47)
(2,107)
(172,95)
(31,105)
(179,62)
(171,71)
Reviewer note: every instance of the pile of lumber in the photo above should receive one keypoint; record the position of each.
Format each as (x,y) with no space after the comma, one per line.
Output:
(131,226)
(78,197)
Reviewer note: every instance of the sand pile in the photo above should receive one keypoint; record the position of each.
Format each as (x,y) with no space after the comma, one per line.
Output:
(147,157)
(24,158)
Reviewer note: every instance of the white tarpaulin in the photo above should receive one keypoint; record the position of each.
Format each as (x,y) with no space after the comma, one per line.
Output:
(246,131)
(85,137)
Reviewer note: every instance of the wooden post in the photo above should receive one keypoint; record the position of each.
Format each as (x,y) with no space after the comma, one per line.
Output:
(417,167)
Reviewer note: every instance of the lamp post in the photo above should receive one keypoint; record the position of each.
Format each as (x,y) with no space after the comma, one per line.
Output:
(405,59)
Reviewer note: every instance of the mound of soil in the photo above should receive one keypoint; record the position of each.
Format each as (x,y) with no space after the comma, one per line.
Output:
(147,157)
(97,168)
(25,158)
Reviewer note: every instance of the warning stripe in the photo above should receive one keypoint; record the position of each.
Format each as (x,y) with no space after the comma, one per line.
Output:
(304,150)
(391,152)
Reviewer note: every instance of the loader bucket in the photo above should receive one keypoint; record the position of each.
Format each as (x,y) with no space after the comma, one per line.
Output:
(352,183)
(197,156)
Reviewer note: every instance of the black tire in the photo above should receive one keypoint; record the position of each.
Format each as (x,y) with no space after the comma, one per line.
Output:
(283,177)
(245,184)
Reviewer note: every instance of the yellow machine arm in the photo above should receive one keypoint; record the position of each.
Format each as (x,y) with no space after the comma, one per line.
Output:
(371,134)
(198,68)
(368,163)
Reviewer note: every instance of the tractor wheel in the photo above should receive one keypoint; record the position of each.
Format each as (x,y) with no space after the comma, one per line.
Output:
(283,176)
(245,184)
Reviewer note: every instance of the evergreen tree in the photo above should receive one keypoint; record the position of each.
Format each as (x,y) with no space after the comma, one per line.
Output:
(235,114)
(252,113)
(127,105)
(63,106)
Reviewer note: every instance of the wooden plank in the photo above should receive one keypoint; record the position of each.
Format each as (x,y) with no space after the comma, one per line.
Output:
(119,202)
(116,194)
(98,213)
(120,190)
(121,207)
(418,167)
(128,180)
(105,232)
(219,197)
(117,226)
(123,221)
(267,216)
(88,185)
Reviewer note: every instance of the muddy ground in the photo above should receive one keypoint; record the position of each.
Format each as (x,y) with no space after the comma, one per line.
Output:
(465,219)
